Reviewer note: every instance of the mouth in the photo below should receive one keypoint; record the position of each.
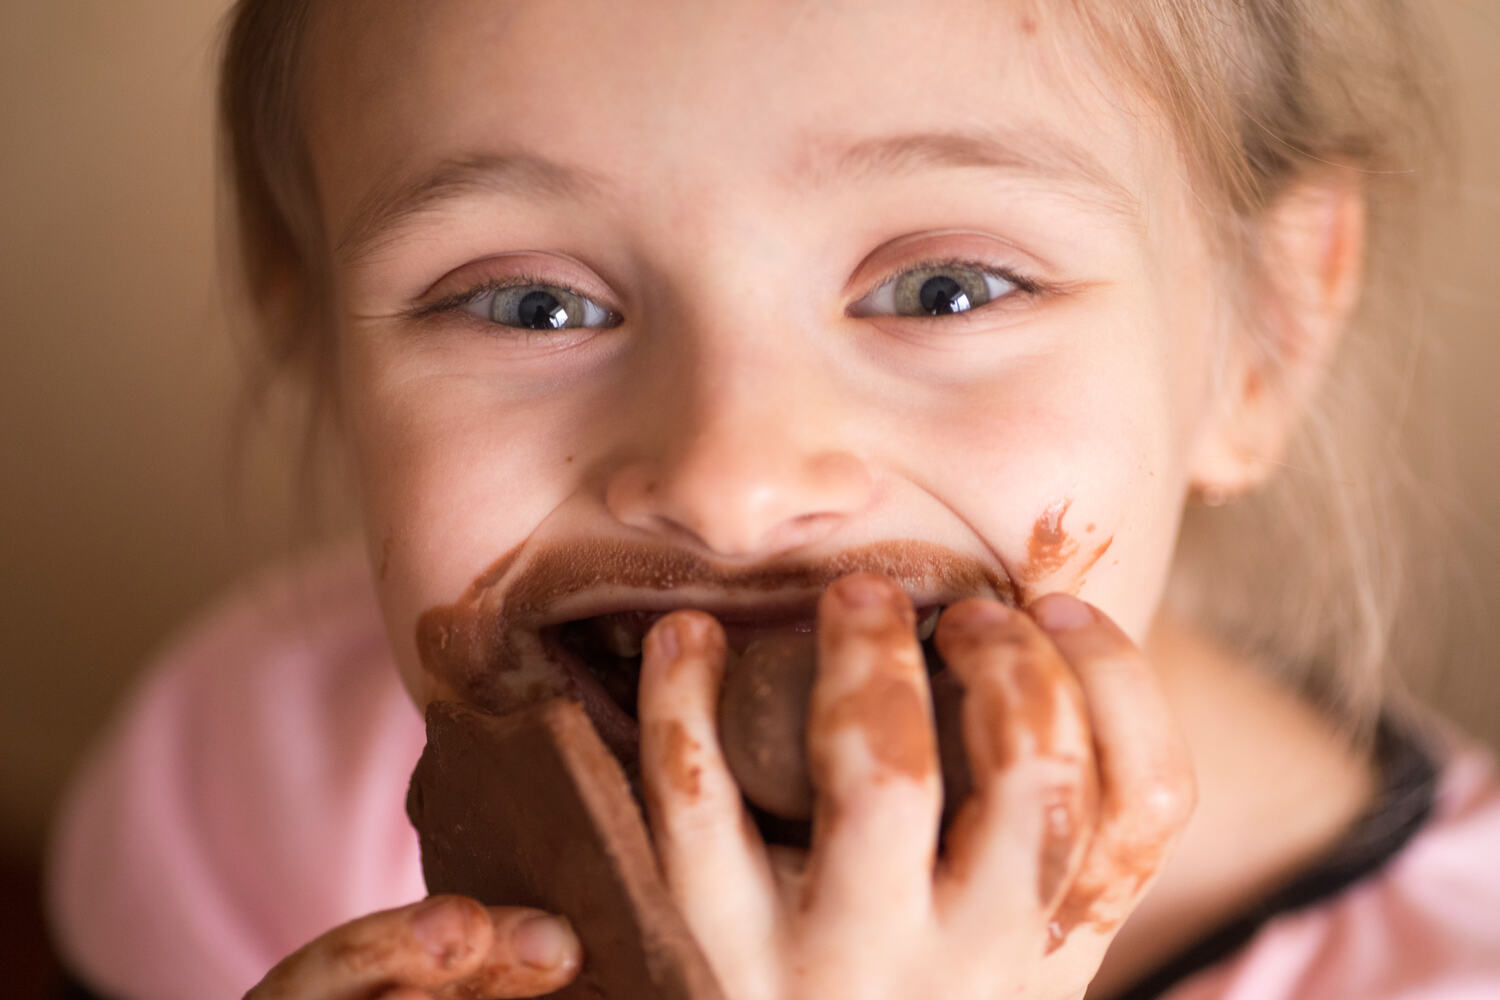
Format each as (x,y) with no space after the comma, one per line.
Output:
(604,651)
(569,619)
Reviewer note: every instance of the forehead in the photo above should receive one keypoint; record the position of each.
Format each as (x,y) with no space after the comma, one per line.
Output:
(704,99)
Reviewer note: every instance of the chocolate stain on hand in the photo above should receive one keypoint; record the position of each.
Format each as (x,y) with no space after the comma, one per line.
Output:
(1103,904)
(1016,707)
(679,759)
(886,707)
(890,713)
(1123,859)
(1016,714)
(1065,808)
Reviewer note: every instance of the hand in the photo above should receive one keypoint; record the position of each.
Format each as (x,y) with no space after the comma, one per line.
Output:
(1081,785)
(443,948)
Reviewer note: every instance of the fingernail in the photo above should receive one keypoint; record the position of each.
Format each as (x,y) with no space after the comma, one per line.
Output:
(862,592)
(442,927)
(1061,612)
(666,640)
(542,942)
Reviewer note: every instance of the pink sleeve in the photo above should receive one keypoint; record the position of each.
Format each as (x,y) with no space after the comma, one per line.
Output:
(248,798)
(1425,927)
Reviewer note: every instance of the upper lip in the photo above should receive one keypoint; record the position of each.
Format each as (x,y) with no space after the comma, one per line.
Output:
(580,579)
(553,583)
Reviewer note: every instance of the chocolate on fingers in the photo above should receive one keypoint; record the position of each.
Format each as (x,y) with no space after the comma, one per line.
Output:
(1020,838)
(872,752)
(712,857)
(867,893)
(1147,787)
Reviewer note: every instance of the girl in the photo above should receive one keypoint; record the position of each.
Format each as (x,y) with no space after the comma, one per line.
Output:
(735,318)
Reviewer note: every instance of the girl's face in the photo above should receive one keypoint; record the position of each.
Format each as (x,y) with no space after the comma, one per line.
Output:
(653,304)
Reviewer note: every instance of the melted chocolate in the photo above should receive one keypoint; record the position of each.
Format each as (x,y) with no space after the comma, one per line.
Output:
(1049,547)
(486,649)
(532,810)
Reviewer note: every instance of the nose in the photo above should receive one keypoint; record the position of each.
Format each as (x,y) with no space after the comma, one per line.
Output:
(744,465)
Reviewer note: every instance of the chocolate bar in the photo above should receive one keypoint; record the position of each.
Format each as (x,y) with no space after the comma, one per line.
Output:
(531,809)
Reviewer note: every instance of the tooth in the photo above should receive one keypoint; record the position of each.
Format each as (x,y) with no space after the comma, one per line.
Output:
(928,625)
(619,638)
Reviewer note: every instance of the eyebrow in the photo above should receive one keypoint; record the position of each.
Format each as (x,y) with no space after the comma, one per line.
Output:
(1033,153)
(391,205)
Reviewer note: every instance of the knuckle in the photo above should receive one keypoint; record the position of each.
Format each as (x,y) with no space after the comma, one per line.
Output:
(977,634)
(1115,658)
(1167,801)
(691,826)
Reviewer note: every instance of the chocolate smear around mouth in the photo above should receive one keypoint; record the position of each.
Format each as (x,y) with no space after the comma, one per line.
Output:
(501,646)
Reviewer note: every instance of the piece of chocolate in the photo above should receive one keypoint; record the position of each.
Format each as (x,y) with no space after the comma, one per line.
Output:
(763,709)
(531,809)
(763,721)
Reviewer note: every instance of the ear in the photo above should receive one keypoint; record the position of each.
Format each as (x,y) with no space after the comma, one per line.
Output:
(1311,252)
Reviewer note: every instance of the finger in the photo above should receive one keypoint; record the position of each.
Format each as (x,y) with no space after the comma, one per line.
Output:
(427,944)
(405,993)
(789,866)
(711,854)
(1021,837)
(531,954)
(1147,789)
(873,758)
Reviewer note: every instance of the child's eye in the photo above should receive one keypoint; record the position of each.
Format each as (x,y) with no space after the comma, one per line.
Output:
(938,290)
(537,306)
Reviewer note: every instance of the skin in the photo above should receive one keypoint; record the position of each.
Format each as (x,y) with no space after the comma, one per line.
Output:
(749,412)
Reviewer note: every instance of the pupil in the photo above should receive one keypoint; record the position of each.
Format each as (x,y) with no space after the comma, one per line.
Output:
(542,311)
(942,295)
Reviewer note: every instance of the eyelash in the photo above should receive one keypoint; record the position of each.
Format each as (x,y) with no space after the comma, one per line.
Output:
(1025,286)
(457,301)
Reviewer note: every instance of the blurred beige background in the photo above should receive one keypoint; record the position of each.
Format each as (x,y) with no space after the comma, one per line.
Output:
(118,381)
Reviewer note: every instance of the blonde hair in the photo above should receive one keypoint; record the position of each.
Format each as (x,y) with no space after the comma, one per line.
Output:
(1308,574)
(1305,574)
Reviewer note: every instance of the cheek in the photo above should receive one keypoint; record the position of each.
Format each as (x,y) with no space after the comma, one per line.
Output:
(452,475)
(1072,470)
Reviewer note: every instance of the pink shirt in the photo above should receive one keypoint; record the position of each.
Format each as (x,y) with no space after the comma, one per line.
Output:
(250,797)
